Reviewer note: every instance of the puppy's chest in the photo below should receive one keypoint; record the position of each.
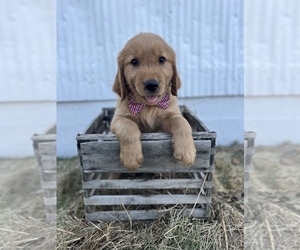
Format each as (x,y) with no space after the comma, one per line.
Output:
(149,121)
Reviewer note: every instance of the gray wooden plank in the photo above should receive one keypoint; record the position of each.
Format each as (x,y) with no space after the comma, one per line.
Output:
(250,151)
(157,169)
(249,135)
(144,136)
(248,167)
(49,162)
(105,155)
(108,200)
(51,209)
(141,214)
(44,137)
(50,201)
(247,184)
(51,217)
(49,185)
(146,184)
(47,148)
(49,171)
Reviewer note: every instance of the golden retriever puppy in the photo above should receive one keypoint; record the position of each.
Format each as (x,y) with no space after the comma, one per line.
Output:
(147,82)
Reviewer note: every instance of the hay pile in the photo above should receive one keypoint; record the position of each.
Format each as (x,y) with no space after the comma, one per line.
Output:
(224,230)
(19,231)
(271,218)
(22,212)
(270,225)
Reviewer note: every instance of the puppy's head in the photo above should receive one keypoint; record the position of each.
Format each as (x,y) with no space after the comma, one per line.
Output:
(147,69)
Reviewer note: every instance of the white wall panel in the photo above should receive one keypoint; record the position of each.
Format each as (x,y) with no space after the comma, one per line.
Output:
(207,36)
(275,120)
(272,47)
(19,121)
(27,50)
(27,73)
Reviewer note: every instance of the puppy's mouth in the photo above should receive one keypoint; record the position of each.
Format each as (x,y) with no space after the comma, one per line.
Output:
(151,98)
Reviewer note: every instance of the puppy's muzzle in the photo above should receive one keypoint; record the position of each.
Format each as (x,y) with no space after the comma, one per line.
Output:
(151,85)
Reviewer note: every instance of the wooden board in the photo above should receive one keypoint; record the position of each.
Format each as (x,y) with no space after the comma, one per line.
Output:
(50,201)
(104,156)
(111,200)
(144,137)
(146,184)
(142,214)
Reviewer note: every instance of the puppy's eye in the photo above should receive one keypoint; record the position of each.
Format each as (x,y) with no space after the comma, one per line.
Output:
(162,60)
(134,62)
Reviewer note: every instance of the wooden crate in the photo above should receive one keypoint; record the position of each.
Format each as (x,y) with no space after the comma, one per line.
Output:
(159,185)
(249,142)
(44,146)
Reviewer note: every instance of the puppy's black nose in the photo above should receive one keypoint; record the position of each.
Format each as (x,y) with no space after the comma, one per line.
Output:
(151,85)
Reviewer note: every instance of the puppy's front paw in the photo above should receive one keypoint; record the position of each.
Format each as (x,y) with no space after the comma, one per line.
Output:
(131,156)
(185,151)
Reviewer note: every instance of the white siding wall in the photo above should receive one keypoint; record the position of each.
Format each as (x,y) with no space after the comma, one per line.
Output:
(272,70)
(207,36)
(27,50)
(27,73)
(272,47)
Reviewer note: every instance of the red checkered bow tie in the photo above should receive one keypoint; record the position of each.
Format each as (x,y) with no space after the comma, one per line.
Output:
(136,108)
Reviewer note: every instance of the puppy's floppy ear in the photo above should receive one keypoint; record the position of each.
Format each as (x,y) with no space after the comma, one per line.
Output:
(175,82)
(119,85)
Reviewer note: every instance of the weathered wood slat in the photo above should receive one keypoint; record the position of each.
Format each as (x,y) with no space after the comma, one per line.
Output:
(50,201)
(51,217)
(249,135)
(247,184)
(144,136)
(49,185)
(141,214)
(105,155)
(250,151)
(51,209)
(146,184)
(157,169)
(248,168)
(44,137)
(108,200)
(47,148)
(48,162)
(49,171)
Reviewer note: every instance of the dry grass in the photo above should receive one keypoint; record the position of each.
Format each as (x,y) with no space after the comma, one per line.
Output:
(19,231)
(224,230)
(270,225)
(22,224)
(171,232)
(271,217)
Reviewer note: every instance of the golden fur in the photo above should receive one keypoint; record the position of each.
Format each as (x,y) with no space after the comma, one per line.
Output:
(148,57)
